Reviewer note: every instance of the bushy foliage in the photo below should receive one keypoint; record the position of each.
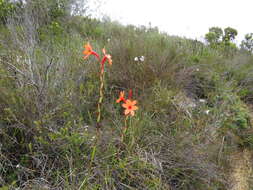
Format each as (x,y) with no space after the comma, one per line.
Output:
(6,9)
(223,41)
(214,36)
(247,43)
(194,108)
(229,34)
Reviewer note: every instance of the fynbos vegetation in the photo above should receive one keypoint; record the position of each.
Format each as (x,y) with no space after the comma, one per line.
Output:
(169,113)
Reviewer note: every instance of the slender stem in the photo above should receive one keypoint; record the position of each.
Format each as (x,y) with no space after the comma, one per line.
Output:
(101,95)
(124,130)
(101,76)
(94,148)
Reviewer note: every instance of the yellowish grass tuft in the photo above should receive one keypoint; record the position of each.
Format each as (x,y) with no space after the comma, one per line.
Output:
(241,169)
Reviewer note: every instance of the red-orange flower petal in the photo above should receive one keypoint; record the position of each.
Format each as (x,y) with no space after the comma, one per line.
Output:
(134,102)
(129,112)
(130,107)
(107,57)
(132,113)
(126,111)
(134,108)
(88,51)
(121,97)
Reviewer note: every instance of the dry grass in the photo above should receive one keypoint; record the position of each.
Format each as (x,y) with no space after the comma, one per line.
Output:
(241,169)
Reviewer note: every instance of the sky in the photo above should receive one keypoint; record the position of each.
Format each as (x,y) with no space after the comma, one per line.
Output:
(186,18)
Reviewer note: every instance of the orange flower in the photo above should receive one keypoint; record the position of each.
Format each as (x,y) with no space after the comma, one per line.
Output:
(88,51)
(121,97)
(130,107)
(106,57)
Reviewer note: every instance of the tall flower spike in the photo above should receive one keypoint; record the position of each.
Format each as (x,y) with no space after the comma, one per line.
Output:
(130,107)
(121,97)
(88,51)
(107,57)
(130,94)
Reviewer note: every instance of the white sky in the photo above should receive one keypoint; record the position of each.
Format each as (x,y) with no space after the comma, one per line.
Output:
(189,18)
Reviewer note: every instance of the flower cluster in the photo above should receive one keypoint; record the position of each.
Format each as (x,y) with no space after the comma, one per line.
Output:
(89,51)
(128,104)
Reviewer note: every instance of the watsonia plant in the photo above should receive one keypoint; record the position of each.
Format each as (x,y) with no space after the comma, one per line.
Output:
(106,57)
(130,108)
(128,104)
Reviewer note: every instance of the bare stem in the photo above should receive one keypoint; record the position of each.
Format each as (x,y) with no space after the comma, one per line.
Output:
(124,130)
(101,95)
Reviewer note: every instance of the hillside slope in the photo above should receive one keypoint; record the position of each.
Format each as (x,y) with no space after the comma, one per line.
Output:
(192,130)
